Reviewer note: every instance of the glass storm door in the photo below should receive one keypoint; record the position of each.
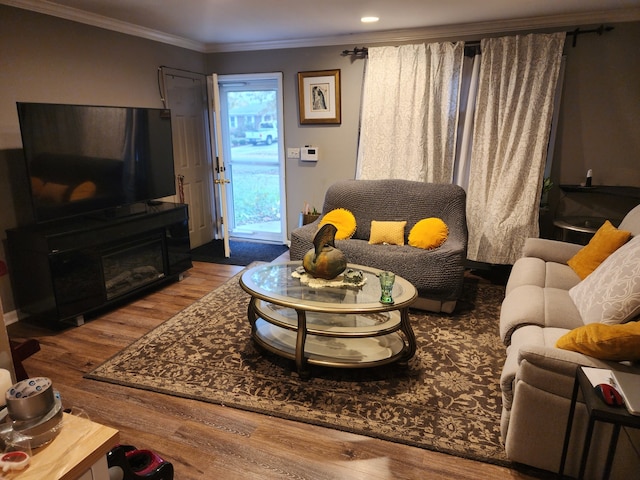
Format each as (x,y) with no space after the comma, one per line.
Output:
(253,151)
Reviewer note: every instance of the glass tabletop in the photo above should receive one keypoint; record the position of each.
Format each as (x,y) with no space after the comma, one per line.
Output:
(276,283)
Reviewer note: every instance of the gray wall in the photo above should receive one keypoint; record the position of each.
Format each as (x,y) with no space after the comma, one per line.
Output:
(597,127)
(600,115)
(307,181)
(53,60)
(47,59)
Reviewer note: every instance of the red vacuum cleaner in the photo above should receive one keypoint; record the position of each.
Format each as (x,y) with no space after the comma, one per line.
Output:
(128,463)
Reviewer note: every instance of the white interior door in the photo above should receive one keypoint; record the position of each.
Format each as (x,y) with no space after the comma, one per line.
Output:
(186,95)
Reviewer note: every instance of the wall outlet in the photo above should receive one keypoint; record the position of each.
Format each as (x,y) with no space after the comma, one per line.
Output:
(293,153)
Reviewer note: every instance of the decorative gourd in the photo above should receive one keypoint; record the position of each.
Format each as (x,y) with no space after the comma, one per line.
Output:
(325,260)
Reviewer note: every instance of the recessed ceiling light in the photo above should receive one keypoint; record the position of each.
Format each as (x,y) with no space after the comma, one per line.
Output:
(369,19)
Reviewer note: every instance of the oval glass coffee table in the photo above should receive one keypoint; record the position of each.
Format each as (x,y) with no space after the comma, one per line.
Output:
(335,326)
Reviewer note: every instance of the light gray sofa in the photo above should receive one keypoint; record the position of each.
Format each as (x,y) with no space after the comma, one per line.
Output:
(537,378)
(438,273)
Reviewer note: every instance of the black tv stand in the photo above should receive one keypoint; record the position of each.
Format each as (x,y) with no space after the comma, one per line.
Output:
(63,271)
(120,212)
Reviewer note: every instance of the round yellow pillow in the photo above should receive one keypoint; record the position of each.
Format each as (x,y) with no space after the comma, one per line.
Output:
(428,233)
(343,220)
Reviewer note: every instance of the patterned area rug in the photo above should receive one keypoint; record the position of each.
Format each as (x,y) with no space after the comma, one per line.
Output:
(447,398)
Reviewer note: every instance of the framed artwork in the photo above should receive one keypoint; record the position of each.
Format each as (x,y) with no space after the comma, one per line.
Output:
(319,96)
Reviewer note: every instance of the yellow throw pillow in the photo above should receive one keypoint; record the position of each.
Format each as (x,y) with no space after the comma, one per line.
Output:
(428,233)
(607,342)
(391,233)
(606,241)
(343,220)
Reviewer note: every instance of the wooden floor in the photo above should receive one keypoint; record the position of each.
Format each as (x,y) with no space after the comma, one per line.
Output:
(206,441)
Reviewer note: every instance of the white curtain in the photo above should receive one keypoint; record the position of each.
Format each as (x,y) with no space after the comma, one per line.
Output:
(410,112)
(511,132)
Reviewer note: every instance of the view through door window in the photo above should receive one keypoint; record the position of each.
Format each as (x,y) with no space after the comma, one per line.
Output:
(253,158)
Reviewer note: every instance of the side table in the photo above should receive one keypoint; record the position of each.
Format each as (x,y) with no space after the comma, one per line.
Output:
(584,226)
(77,453)
(598,411)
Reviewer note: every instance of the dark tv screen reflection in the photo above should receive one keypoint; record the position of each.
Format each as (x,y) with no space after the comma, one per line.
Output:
(83,159)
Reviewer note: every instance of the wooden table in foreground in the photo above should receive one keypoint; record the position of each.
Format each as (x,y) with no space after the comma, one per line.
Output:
(78,452)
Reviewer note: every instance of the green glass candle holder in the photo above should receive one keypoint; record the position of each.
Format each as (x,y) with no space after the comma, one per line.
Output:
(387,280)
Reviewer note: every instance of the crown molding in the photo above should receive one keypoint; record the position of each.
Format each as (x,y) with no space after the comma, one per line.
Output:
(73,14)
(389,36)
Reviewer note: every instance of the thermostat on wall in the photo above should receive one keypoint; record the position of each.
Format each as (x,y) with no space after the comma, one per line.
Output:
(309,153)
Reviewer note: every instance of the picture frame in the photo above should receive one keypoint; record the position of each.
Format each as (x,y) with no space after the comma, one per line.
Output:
(319,97)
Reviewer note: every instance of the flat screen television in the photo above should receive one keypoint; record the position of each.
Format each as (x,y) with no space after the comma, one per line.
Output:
(83,159)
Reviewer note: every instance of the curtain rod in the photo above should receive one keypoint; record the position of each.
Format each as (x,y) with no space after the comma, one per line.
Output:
(361,52)
(356,52)
(600,30)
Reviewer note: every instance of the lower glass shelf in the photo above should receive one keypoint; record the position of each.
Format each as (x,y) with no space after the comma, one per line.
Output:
(331,351)
(332,324)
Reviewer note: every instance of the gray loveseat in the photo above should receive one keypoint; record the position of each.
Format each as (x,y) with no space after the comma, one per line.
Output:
(438,273)
(537,377)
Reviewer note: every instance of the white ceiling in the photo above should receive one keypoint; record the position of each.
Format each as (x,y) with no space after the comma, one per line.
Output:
(228,25)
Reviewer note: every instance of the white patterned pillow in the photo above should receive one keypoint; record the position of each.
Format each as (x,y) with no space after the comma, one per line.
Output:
(611,294)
